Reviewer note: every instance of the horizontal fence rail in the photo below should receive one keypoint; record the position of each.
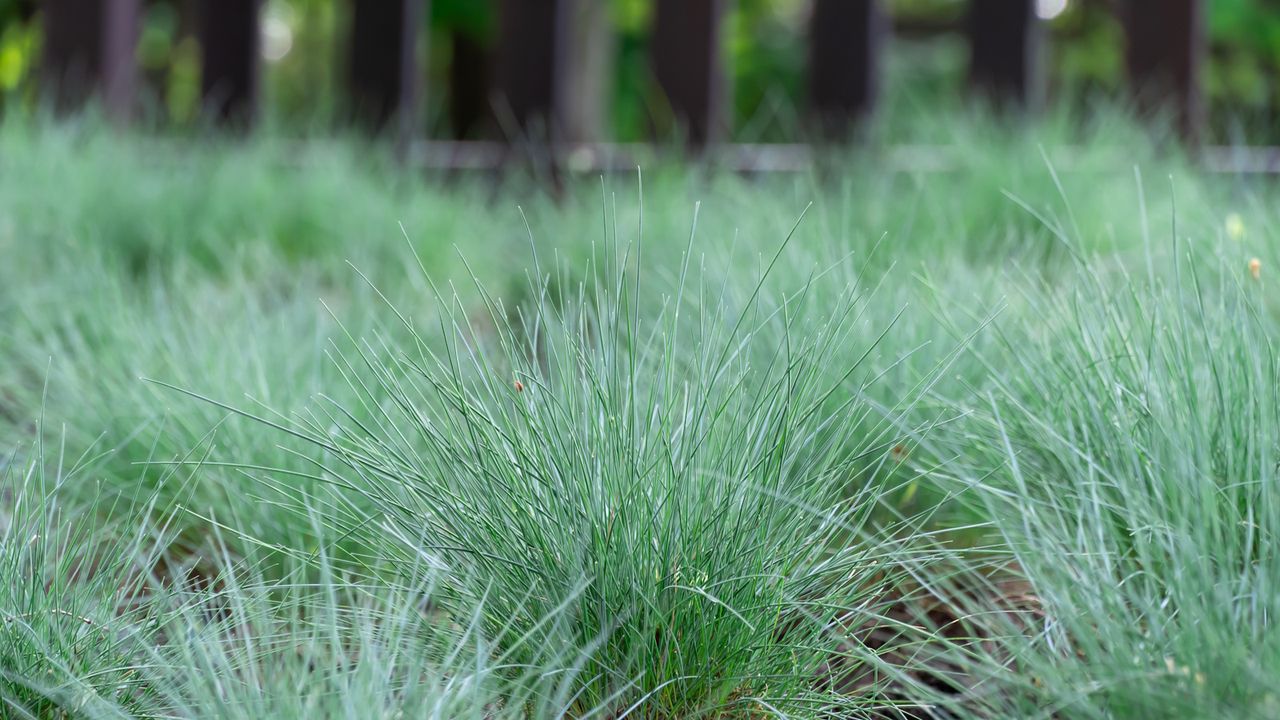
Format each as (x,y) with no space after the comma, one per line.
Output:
(538,85)
(594,160)
(762,158)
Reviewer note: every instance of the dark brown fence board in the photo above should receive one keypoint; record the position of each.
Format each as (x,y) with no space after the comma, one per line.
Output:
(89,48)
(1166,46)
(529,56)
(384,75)
(1005,38)
(469,84)
(845,44)
(688,65)
(231,60)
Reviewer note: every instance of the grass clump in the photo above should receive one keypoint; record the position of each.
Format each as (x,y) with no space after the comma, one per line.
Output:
(1128,454)
(103,616)
(314,640)
(74,623)
(677,489)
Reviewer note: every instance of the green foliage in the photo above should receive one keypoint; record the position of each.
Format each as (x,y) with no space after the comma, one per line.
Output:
(1130,457)
(694,505)
(73,626)
(566,460)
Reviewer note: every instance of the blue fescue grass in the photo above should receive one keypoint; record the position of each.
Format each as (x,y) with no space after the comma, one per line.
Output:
(996,441)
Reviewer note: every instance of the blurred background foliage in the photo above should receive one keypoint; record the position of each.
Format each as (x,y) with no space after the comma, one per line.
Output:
(303,46)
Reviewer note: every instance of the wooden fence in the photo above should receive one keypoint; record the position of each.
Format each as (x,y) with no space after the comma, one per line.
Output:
(89,51)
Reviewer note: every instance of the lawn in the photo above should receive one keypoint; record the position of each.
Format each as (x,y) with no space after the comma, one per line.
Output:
(291,432)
